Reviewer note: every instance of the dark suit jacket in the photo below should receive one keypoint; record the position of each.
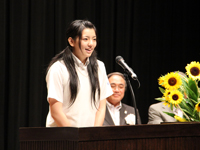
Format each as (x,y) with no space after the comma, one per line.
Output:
(125,108)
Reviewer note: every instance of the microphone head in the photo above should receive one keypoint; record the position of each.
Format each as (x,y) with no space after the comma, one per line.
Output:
(118,58)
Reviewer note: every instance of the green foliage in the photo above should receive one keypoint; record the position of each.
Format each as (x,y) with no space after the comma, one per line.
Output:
(160,99)
(162,90)
(170,114)
(190,91)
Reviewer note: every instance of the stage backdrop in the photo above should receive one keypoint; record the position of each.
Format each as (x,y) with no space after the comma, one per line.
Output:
(153,37)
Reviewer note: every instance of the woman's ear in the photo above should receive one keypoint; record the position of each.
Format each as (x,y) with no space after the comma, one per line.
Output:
(71,41)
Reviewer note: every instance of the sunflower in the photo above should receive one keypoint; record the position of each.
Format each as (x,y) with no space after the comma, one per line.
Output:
(178,118)
(193,70)
(175,97)
(166,94)
(172,81)
(161,80)
(166,103)
(197,107)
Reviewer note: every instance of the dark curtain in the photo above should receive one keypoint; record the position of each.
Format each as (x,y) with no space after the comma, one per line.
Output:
(154,37)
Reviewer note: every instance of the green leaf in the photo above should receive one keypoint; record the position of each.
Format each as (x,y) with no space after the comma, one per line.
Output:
(194,101)
(193,86)
(188,112)
(195,120)
(162,90)
(170,114)
(160,99)
(192,90)
(187,106)
(189,102)
(187,86)
(195,114)
(199,115)
(171,106)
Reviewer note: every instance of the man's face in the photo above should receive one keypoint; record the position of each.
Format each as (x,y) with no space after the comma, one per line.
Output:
(117,84)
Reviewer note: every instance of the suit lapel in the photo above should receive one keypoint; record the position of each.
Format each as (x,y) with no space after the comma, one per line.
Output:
(108,118)
(122,115)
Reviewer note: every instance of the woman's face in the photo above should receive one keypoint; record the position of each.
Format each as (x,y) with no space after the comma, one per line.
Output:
(87,44)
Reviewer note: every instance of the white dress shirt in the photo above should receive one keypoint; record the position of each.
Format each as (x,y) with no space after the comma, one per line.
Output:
(114,112)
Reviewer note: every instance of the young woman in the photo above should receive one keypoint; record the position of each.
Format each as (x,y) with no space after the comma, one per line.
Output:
(77,83)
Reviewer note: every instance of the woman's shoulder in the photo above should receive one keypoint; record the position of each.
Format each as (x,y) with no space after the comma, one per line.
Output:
(101,66)
(100,63)
(58,65)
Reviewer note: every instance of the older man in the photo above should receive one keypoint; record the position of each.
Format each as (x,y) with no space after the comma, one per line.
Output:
(118,113)
(156,113)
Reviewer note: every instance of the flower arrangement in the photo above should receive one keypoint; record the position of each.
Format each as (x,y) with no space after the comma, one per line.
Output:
(130,119)
(181,91)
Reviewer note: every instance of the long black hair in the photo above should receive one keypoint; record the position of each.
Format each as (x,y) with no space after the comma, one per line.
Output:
(75,31)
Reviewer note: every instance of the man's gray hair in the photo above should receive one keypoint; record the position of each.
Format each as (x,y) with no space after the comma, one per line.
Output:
(118,74)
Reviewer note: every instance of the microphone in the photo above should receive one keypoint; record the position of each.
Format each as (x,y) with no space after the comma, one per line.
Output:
(126,68)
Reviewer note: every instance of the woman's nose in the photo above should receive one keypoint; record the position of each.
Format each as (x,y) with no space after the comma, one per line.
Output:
(90,42)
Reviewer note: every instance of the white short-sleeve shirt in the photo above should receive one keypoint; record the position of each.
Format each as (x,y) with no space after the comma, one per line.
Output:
(82,112)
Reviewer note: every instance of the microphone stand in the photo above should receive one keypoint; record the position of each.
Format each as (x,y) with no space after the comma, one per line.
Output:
(133,97)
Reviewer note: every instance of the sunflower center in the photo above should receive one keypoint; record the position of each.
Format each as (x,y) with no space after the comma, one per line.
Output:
(194,71)
(175,97)
(199,105)
(172,81)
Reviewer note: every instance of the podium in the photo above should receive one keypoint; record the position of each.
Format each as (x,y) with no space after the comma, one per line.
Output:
(184,136)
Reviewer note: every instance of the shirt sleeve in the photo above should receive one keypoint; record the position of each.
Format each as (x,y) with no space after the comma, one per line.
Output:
(54,82)
(105,87)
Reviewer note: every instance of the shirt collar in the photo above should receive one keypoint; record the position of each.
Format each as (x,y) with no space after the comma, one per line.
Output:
(79,63)
(112,106)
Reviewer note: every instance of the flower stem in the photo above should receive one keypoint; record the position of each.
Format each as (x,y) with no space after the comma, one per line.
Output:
(184,113)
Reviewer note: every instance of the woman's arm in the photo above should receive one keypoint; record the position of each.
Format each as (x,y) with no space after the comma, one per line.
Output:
(100,114)
(57,113)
